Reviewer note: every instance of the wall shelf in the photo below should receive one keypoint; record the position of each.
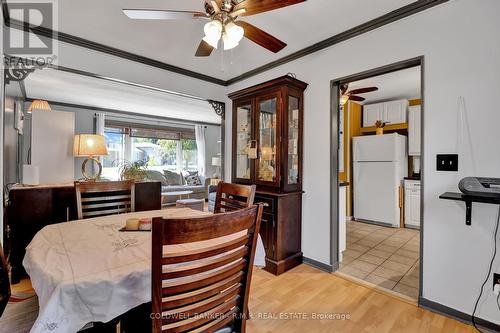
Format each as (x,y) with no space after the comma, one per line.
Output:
(469,199)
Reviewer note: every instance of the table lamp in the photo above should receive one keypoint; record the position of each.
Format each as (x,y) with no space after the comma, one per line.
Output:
(216,163)
(90,146)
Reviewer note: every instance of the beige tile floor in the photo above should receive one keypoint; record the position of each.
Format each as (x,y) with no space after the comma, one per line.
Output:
(387,257)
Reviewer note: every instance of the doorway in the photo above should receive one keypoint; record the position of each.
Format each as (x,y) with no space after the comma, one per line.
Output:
(376,186)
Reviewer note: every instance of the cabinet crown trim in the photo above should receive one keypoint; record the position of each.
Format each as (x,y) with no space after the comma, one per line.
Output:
(278,82)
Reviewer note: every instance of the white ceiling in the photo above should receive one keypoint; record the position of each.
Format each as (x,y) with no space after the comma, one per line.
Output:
(175,42)
(59,86)
(403,84)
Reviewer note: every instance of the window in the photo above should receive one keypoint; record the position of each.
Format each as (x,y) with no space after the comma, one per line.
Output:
(170,149)
(115,142)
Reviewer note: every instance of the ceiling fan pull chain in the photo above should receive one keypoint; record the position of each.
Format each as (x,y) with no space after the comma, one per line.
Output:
(222,69)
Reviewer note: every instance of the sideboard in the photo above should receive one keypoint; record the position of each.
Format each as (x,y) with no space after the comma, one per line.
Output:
(30,208)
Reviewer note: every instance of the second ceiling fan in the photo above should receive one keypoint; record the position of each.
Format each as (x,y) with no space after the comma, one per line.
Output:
(223,22)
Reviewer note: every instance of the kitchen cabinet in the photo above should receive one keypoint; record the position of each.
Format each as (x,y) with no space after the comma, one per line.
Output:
(412,203)
(267,151)
(372,113)
(414,130)
(392,112)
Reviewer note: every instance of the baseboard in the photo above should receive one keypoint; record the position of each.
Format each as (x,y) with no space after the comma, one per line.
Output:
(455,314)
(317,264)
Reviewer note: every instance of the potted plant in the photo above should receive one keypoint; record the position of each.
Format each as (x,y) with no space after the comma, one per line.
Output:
(379,127)
(136,171)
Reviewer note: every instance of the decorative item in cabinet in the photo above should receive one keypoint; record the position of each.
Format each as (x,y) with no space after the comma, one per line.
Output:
(272,114)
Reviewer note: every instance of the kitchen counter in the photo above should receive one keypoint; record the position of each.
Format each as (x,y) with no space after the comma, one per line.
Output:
(412,178)
(342,184)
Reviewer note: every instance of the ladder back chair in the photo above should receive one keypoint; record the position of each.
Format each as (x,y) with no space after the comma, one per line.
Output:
(204,290)
(231,197)
(95,199)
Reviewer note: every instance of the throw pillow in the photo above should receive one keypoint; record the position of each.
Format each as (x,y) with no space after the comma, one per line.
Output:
(192,179)
(173,178)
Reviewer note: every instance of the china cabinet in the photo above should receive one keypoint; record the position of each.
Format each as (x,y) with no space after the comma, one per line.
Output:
(267,152)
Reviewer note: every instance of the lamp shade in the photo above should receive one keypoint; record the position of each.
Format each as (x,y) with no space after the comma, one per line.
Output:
(39,104)
(215,161)
(89,145)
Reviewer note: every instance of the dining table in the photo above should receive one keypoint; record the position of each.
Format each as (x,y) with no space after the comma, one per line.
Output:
(87,271)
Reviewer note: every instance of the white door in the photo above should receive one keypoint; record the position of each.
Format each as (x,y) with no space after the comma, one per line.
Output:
(376,192)
(372,113)
(395,112)
(414,130)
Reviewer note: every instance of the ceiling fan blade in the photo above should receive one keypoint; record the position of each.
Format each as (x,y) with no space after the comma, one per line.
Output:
(261,37)
(260,6)
(362,90)
(356,98)
(204,49)
(215,6)
(159,14)
(238,12)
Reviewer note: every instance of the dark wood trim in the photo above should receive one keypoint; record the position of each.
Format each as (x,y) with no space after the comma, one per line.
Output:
(455,314)
(409,63)
(94,108)
(317,264)
(70,39)
(383,20)
(380,21)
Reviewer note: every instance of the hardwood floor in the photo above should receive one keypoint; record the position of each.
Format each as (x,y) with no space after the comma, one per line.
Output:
(304,291)
(307,290)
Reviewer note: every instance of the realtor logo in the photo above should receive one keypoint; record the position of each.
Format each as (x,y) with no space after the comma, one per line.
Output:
(23,40)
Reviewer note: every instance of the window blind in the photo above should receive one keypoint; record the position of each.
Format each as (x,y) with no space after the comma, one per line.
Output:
(152,132)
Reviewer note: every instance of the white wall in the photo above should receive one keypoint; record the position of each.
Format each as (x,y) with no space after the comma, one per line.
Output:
(462,58)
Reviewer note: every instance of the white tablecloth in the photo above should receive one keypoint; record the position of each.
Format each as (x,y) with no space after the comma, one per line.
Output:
(87,271)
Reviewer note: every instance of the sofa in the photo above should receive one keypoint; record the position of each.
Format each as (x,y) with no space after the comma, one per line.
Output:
(174,182)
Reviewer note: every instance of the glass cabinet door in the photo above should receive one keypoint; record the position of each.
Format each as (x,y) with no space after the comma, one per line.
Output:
(266,164)
(293,140)
(243,140)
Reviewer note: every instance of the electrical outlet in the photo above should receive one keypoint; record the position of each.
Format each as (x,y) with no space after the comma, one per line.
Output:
(447,162)
(496,279)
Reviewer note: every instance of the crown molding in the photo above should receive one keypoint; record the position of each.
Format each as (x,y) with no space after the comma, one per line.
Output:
(398,14)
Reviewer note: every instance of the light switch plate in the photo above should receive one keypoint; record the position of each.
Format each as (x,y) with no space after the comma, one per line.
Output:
(447,162)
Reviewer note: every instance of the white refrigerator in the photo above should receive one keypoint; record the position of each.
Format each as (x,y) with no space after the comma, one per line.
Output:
(380,163)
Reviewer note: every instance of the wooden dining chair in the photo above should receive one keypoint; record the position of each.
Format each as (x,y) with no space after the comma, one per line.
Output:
(104,198)
(4,283)
(203,290)
(231,197)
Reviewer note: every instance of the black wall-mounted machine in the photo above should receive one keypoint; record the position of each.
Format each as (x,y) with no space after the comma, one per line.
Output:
(480,186)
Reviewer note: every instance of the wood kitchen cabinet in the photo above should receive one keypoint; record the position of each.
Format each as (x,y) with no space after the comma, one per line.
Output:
(34,207)
(267,152)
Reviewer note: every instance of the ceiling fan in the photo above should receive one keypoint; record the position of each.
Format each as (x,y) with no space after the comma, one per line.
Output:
(223,22)
(346,95)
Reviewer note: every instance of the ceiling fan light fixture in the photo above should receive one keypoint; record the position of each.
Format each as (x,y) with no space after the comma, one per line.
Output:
(228,42)
(343,99)
(213,31)
(232,35)
(212,42)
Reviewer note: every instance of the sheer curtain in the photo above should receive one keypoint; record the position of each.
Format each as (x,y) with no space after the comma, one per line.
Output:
(199,131)
(99,127)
